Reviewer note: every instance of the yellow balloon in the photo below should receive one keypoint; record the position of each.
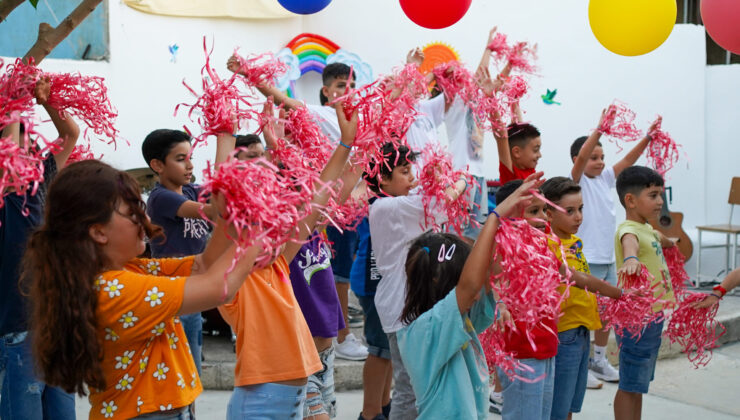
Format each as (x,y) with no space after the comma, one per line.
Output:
(632,27)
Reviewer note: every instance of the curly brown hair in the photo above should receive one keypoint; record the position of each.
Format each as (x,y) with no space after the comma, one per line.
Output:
(61,264)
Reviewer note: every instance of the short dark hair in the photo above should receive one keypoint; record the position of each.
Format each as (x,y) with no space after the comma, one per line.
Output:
(247,140)
(332,72)
(159,143)
(505,190)
(429,280)
(577,145)
(393,156)
(634,179)
(520,134)
(558,186)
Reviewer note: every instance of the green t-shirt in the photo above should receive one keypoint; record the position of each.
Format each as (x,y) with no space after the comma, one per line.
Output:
(650,254)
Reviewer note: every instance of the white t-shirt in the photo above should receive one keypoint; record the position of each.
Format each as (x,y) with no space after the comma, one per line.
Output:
(394,223)
(424,129)
(326,118)
(460,125)
(599,217)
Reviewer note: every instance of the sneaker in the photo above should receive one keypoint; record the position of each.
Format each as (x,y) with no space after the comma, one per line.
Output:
(603,370)
(592,382)
(356,317)
(350,349)
(496,402)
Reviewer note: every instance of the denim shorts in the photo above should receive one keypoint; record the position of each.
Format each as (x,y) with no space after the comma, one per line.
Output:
(377,340)
(571,372)
(637,358)
(266,402)
(479,208)
(525,400)
(606,272)
(321,383)
(344,246)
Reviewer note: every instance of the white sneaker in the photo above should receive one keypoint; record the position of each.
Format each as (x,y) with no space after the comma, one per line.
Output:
(350,349)
(603,370)
(495,402)
(592,382)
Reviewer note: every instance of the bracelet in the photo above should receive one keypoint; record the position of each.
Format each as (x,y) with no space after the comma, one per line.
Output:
(631,256)
(621,293)
(497,215)
(716,295)
(720,289)
(341,143)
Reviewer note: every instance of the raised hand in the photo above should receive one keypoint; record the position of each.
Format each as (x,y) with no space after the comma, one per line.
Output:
(415,56)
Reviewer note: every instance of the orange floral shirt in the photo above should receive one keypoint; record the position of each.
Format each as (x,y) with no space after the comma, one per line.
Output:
(146,358)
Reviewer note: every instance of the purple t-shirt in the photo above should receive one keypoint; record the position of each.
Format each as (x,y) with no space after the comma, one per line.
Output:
(184,236)
(313,286)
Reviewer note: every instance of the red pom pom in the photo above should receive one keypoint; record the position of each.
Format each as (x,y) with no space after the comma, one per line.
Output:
(619,124)
(695,330)
(81,152)
(521,57)
(662,151)
(676,267)
(260,70)
(492,341)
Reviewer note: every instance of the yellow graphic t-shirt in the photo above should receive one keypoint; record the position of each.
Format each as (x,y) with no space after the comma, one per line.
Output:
(146,358)
(580,308)
(650,254)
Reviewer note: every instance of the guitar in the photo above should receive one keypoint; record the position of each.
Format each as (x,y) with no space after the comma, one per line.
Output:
(669,224)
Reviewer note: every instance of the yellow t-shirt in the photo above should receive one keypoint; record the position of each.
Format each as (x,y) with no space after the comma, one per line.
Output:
(146,360)
(650,254)
(580,308)
(273,342)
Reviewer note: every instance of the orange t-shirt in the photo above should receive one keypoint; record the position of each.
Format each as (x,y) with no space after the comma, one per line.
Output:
(273,342)
(146,359)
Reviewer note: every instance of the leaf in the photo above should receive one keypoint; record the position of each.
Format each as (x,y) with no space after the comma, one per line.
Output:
(34,3)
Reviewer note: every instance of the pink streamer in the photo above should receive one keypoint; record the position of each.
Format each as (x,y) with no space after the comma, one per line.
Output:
(82,152)
(676,267)
(521,57)
(619,124)
(493,342)
(499,45)
(260,70)
(695,330)
(662,151)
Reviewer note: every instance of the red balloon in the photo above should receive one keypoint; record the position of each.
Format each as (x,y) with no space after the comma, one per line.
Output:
(722,20)
(435,14)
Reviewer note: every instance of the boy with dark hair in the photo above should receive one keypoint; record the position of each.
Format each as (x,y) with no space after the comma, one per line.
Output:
(173,205)
(396,217)
(636,243)
(599,223)
(518,150)
(251,146)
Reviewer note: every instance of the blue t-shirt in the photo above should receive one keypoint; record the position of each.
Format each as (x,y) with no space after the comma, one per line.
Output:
(183,236)
(364,276)
(445,360)
(15,229)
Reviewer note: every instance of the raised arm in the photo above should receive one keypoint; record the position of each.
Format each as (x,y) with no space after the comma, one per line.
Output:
(585,153)
(501,135)
(67,128)
(279,97)
(476,270)
(631,157)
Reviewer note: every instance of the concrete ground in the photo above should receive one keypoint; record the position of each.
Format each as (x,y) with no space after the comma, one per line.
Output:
(678,392)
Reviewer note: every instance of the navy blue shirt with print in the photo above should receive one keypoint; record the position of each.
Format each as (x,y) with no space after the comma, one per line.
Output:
(183,236)
(19,215)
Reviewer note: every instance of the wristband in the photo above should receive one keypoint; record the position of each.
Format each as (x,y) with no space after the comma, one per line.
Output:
(720,289)
(716,295)
(341,143)
(621,293)
(497,215)
(631,256)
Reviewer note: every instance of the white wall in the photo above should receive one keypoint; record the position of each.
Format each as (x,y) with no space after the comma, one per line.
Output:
(145,86)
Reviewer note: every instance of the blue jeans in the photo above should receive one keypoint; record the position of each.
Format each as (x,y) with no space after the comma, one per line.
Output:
(266,402)
(637,358)
(321,383)
(478,209)
(606,272)
(24,396)
(571,372)
(524,400)
(193,325)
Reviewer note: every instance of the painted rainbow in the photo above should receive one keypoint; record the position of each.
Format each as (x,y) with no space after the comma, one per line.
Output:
(311,50)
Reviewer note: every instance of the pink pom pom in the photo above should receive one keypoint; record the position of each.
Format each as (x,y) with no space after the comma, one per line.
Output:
(17,86)
(260,70)
(81,152)
(86,99)
(499,45)
(676,267)
(662,151)
(515,89)
(20,169)
(303,131)
(530,278)
(695,330)
(619,124)
(632,311)
(521,57)
(492,341)
(435,178)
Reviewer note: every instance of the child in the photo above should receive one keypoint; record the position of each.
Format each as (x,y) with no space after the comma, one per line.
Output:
(518,150)
(173,205)
(276,354)
(396,217)
(449,302)
(122,340)
(599,222)
(250,147)
(19,215)
(637,243)
(579,310)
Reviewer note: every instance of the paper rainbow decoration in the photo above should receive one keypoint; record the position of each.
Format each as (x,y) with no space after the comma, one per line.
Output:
(310,52)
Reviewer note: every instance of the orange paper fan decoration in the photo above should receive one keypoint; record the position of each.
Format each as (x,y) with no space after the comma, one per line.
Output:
(437,53)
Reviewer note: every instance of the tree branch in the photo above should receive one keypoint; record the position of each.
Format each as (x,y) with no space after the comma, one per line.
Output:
(7,6)
(50,37)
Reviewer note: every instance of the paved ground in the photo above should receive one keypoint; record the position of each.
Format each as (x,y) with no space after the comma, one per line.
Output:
(678,392)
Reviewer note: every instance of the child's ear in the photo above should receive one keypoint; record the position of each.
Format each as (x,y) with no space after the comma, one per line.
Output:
(325,92)
(516,152)
(97,234)
(157,165)
(385,180)
(630,201)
